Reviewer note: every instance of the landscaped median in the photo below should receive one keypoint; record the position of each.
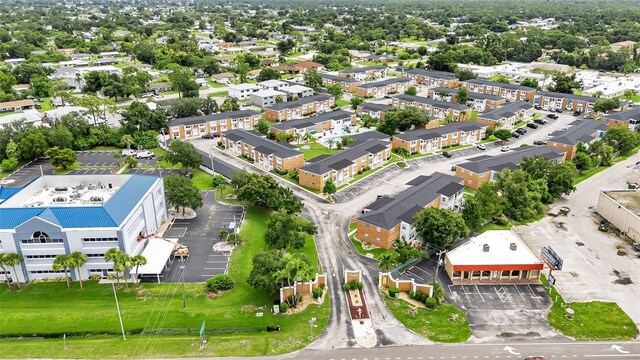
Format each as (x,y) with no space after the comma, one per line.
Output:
(589,321)
(236,320)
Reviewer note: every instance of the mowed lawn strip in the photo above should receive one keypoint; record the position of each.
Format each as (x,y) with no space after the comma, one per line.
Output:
(51,309)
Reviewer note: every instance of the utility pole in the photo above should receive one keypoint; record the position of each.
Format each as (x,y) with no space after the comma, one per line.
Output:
(438,264)
(118,307)
(212,169)
(184,294)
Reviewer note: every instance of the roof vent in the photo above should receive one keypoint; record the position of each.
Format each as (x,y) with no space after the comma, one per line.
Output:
(513,246)
(485,247)
(92,186)
(61,189)
(96,199)
(60,199)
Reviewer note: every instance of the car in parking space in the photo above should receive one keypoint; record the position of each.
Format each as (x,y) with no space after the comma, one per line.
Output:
(505,148)
(538,107)
(532,125)
(558,110)
(481,147)
(144,154)
(447,154)
(577,113)
(552,116)
(208,136)
(515,134)
(534,358)
(539,142)
(128,152)
(540,121)
(521,131)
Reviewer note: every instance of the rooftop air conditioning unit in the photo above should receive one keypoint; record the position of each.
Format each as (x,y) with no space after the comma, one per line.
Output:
(485,247)
(61,189)
(513,246)
(92,186)
(74,195)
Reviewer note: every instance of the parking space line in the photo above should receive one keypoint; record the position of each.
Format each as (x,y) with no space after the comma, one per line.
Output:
(424,271)
(522,296)
(533,294)
(478,290)
(207,268)
(465,292)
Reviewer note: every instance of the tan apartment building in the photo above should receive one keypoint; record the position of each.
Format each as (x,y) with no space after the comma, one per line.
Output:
(348,84)
(376,111)
(628,118)
(578,132)
(562,101)
(318,125)
(390,218)
(510,92)
(426,141)
(196,126)
(299,108)
(505,117)
(365,73)
(433,108)
(343,166)
(433,78)
(621,209)
(267,154)
(378,89)
(477,101)
(480,169)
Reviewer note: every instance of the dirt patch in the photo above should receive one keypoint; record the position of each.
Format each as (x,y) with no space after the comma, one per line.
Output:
(579,243)
(560,225)
(248,308)
(622,278)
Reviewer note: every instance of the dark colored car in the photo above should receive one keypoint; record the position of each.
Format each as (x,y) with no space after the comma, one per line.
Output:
(540,121)
(208,136)
(532,125)
(577,113)
(604,226)
(515,134)
(552,116)
(447,154)
(538,107)
(539,142)
(521,131)
(558,110)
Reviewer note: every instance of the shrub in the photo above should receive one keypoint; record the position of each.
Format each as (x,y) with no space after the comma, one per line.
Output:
(360,286)
(284,307)
(294,174)
(9,164)
(424,297)
(323,285)
(353,285)
(417,295)
(316,293)
(393,292)
(282,172)
(502,221)
(412,294)
(430,303)
(346,286)
(220,282)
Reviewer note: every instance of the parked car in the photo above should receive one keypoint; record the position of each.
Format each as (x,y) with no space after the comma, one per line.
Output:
(447,154)
(540,121)
(481,147)
(128,152)
(552,116)
(208,136)
(505,148)
(577,113)
(144,154)
(532,125)
(521,131)
(515,134)
(604,226)
(453,167)
(558,110)
(539,142)
(538,107)
(545,108)
(188,175)
(534,358)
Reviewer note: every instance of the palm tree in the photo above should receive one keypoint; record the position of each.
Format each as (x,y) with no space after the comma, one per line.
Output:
(12,260)
(125,263)
(386,261)
(61,262)
(76,260)
(127,140)
(297,137)
(137,261)
(330,142)
(4,269)
(597,94)
(438,292)
(113,255)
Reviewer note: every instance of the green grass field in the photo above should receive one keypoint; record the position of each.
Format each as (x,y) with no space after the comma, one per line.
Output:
(45,105)
(232,326)
(315,150)
(375,252)
(434,324)
(342,102)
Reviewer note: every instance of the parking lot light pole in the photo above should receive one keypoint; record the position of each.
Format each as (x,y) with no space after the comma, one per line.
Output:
(438,265)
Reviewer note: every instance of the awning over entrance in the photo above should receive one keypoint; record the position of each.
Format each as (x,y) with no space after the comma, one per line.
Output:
(157,252)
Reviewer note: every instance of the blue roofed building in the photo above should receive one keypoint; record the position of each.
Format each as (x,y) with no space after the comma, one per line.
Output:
(56,215)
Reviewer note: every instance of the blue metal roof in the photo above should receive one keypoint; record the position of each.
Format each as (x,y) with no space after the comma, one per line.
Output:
(12,217)
(129,194)
(83,217)
(6,193)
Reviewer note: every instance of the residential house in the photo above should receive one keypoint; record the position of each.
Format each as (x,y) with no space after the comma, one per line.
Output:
(571,102)
(318,125)
(295,92)
(69,52)
(628,118)
(299,108)
(21,87)
(223,78)
(426,141)
(478,101)
(287,69)
(511,92)
(269,63)
(157,88)
(82,56)
(73,63)
(391,218)
(480,169)
(365,73)
(378,89)
(17,105)
(376,111)
(345,165)
(14,62)
(196,126)
(108,54)
(433,78)
(243,91)
(348,84)
(273,84)
(264,153)
(306,65)
(433,108)
(505,117)
(267,97)
(579,132)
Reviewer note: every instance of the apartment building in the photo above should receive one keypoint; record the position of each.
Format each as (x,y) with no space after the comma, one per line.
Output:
(628,118)
(243,91)
(376,111)
(295,92)
(378,89)
(348,84)
(477,101)
(426,141)
(318,125)
(510,92)
(433,108)
(483,168)
(433,78)
(505,117)
(267,97)
(196,126)
(267,154)
(277,85)
(578,132)
(343,166)
(299,108)
(365,73)
(390,218)
(555,100)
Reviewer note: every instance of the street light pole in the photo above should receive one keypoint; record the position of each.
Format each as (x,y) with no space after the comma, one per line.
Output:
(438,265)
(118,307)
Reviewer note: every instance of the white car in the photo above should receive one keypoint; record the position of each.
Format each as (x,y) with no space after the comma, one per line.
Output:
(144,154)
(128,152)
(481,147)
(505,148)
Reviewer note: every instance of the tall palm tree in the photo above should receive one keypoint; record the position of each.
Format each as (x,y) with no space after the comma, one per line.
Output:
(137,261)
(61,262)
(125,261)
(4,269)
(12,260)
(438,292)
(76,260)
(386,261)
(113,255)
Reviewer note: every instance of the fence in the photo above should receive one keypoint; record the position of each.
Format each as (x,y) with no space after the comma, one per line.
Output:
(302,287)
(387,280)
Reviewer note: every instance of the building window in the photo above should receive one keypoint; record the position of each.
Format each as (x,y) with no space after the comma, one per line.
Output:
(486,274)
(535,274)
(525,274)
(46,272)
(456,274)
(476,274)
(110,239)
(40,256)
(515,273)
(505,273)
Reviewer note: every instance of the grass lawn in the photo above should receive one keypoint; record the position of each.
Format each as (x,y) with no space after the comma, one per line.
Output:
(219,94)
(232,326)
(589,173)
(577,92)
(106,148)
(592,321)
(202,179)
(214,84)
(45,105)
(375,252)
(7,113)
(493,226)
(293,181)
(434,324)
(452,148)
(352,226)
(474,115)
(635,99)
(59,171)
(342,102)
(315,150)
(489,139)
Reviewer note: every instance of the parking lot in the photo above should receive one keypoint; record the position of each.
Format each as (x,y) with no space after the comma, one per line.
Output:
(97,158)
(27,173)
(208,256)
(498,297)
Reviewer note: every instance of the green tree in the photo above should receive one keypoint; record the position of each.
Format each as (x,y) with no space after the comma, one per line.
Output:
(240,178)
(76,260)
(218,182)
(181,193)
(601,153)
(33,146)
(9,164)
(61,262)
(138,261)
(265,265)
(502,134)
(3,263)
(285,46)
(564,83)
(61,158)
(116,256)
(186,107)
(621,139)
(487,198)
(131,162)
(262,127)
(60,136)
(312,79)
(184,153)
(606,105)
(126,141)
(91,103)
(209,106)
(335,90)
(558,176)
(386,261)
(329,187)
(183,82)
(7,80)
(582,161)
(521,202)
(472,214)
(355,101)
(264,191)
(268,73)
(530,82)
(139,117)
(438,292)
(41,86)
(411,91)
(11,259)
(287,231)
(12,150)
(439,227)
(463,96)
(464,74)
(402,120)
(502,79)
(230,105)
